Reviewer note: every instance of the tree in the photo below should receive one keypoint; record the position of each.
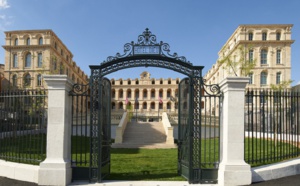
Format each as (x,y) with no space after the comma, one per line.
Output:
(244,64)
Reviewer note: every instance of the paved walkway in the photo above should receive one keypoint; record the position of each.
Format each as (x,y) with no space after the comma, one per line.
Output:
(287,181)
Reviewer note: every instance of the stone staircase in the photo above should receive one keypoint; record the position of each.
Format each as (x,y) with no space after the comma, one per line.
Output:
(144,135)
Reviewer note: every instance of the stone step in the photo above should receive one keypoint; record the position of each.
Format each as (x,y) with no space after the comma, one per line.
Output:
(144,146)
(144,135)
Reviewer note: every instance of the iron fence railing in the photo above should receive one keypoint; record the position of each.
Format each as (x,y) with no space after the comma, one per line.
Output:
(272,130)
(23,121)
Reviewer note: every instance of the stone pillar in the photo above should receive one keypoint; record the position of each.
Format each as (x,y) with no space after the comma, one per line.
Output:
(56,169)
(233,170)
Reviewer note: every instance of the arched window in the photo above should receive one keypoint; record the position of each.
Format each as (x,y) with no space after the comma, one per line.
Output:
(28,41)
(113,105)
(113,93)
(40,41)
(112,81)
(169,81)
(264,36)
(15,60)
(28,60)
(152,105)
(15,80)
(250,36)
(137,82)
(39,80)
(40,60)
(161,93)
(129,93)
(121,106)
(16,42)
(161,82)
(27,80)
(145,106)
(121,82)
(120,93)
(278,36)
(145,94)
(153,82)
(129,82)
(168,93)
(152,94)
(169,105)
(136,105)
(263,78)
(137,93)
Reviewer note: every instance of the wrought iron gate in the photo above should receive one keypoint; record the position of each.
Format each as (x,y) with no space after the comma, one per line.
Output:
(91,138)
(184,163)
(148,52)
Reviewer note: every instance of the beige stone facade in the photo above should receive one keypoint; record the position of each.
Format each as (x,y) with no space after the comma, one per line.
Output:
(1,75)
(268,46)
(31,53)
(145,94)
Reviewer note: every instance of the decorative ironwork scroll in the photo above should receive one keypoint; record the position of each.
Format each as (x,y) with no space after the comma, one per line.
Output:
(147,45)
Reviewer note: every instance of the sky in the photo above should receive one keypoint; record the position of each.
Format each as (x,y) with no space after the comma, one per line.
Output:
(197,29)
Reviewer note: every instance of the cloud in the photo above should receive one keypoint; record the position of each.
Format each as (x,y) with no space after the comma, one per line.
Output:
(2,17)
(4,4)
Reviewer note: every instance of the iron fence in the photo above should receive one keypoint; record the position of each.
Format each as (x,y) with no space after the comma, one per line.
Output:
(23,121)
(272,130)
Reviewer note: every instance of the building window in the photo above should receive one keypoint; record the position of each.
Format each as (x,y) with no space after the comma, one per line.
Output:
(278,78)
(55,45)
(39,80)
(250,56)
(27,80)
(161,82)
(137,82)
(251,78)
(67,71)
(160,106)
(61,69)
(28,41)
(145,105)
(278,36)
(15,60)
(15,80)
(263,56)
(152,105)
(28,60)
(120,93)
(250,36)
(40,41)
(129,82)
(16,42)
(40,60)
(263,78)
(153,82)
(169,82)
(278,56)
(145,94)
(264,36)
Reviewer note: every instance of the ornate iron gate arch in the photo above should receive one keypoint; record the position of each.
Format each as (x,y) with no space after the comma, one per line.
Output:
(148,53)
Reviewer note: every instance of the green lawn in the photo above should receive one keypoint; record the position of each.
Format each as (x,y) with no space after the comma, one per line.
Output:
(144,164)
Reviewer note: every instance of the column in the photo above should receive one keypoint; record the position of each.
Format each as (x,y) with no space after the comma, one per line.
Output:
(233,170)
(56,169)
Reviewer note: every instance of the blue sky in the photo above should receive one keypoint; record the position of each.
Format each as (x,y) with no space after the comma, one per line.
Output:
(196,29)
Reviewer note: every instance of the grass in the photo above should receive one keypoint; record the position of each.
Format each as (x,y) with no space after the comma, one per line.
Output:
(143,164)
